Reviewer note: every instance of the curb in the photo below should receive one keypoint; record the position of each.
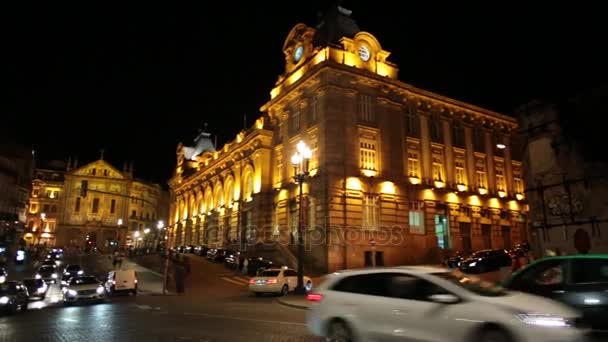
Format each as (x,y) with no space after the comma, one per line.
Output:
(284,302)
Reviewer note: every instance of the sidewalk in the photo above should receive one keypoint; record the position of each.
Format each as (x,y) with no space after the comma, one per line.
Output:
(149,282)
(294,301)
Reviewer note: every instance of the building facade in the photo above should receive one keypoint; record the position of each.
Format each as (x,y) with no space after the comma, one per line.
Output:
(114,210)
(567,175)
(398,174)
(16,168)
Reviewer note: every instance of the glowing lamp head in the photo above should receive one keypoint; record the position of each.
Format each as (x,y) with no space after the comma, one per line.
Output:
(296,159)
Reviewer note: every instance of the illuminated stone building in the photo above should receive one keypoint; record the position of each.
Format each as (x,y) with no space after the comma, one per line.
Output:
(397,171)
(115,206)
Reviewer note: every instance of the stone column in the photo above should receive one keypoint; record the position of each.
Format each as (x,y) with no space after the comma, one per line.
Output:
(427,157)
(470,161)
(455,237)
(491,171)
(449,153)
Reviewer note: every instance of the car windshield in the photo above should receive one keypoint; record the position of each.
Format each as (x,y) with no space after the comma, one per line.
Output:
(83,281)
(269,273)
(32,282)
(473,284)
(72,268)
(47,268)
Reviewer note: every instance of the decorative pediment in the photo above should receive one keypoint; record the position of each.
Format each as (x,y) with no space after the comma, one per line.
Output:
(99,168)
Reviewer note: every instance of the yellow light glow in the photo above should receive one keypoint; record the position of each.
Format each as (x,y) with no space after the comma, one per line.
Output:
(369,173)
(349,59)
(483,191)
(237,191)
(501,193)
(494,203)
(320,56)
(282,195)
(295,76)
(388,188)
(274,92)
(257,184)
(519,197)
(414,180)
(29,235)
(474,200)
(313,172)
(353,183)
(45,235)
(428,194)
(513,205)
(383,69)
(452,198)
(461,187)
(439,184)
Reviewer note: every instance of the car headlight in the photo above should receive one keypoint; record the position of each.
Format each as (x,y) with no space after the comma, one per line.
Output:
(544,320)
(473,264)
(54,275)
(100,290)
(4,300)
(80,272)
(41,290)
(2,279)
(38,276)
(72,293)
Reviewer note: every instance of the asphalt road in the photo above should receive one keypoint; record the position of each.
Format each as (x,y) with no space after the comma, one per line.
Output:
(222,310)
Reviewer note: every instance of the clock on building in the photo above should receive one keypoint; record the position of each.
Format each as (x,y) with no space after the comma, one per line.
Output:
(297,55)
(364,53)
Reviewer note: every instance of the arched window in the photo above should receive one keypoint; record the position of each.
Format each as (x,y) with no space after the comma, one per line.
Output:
(248,184)
(219,196)
(229,191)
(208,200)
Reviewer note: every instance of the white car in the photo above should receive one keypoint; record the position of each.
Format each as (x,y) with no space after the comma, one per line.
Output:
(85,288)
(277,280)
(433,304)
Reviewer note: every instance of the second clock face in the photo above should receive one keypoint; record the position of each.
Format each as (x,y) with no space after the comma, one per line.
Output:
(297,55)
(364,53)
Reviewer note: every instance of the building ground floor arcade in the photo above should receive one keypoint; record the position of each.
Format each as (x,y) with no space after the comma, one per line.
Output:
(357,221)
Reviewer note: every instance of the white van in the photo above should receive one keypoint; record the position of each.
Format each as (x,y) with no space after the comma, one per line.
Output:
(122,281)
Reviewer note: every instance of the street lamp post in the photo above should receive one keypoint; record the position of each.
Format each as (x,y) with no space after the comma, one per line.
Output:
(300,161)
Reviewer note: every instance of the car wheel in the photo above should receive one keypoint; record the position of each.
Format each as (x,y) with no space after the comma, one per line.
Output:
(339,332)
(493,335)
(284,290)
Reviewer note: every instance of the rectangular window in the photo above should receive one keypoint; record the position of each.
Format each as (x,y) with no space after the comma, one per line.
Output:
(133,214)
(295,121)
(412,123)
(49,194)
(480,172)
(519,185)
(479,140)
(437,172)
(500,180)
(370,212)
(34,208)
(461,177)
(436,127)
(112,206)
(416,219)
(45,208)
(36,192)
(77,206)
(481,179)
(53,208)
(366,110)
(93,171)
(413,165)
(458,135)
(313,110)
(105,172)
(95,207)
(314,148)
(367,153)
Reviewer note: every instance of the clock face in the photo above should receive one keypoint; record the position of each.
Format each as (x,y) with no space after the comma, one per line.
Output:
(364,53)
(297,55)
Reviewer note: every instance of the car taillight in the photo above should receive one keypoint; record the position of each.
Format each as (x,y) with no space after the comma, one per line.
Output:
(314,297)
(271,281)
(251,281)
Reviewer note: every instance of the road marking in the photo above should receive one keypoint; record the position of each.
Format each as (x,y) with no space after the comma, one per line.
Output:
(233,281)
(242,319)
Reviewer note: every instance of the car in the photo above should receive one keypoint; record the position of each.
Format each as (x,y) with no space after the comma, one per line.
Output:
(278,281)
(47,273)
(121,281)
(580,281)
(3,275)
(37,288)
(419,303)
(488,260)
(70,271)
(83,288)
(13,296)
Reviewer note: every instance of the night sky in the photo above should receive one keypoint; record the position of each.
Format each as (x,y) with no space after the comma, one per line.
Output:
(137,79)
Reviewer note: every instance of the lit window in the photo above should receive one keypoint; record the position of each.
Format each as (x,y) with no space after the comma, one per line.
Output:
(481,179)
(95,207)
(461,177)
(413,165)
(500,180)
(367,153)
(370,212)
(77,206)
(314,148)
(519,185)
(295,121)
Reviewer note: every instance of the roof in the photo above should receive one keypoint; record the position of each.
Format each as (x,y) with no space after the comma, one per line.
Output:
(202,144)
(334,24)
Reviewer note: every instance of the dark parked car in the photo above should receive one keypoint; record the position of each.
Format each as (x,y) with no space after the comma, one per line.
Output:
(3,275)
(36,287)
(234,260)
(69,272)
(580,281)
(13,296)
(47,273)
(488,260)
(220,254)
(256,265)
(201,250)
